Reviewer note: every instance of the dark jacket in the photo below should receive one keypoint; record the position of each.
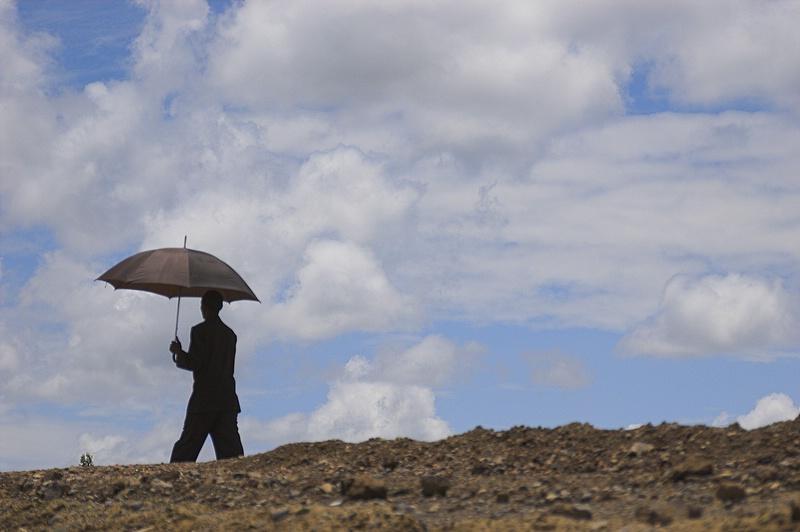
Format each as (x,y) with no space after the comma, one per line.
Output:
(211,356)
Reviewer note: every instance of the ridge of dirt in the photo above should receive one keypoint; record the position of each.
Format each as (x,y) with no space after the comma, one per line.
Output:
(574,477)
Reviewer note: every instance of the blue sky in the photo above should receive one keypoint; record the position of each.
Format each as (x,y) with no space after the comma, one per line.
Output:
(454,214)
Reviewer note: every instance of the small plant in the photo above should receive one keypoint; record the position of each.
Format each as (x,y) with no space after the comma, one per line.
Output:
(86,460)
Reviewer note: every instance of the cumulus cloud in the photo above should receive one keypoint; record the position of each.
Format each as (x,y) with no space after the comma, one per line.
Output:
(40,441)
(557,369)
(601,221)
(47,440)
(771,408)
(356,411)
(452,75)
(431,362)
(389,396)
(729,52)
(9,360)
(509,242)
(341,287)
(100,447)
(110,349)
(9,351)
(732,314)
(34,443)
(722,420)
(149,446)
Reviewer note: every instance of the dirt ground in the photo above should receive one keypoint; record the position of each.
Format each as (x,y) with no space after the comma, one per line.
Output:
(573,477)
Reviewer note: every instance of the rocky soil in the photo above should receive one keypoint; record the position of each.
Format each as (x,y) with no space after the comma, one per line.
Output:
(573,477)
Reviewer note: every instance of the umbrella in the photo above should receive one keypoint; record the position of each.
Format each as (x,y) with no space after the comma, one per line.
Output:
(178,272)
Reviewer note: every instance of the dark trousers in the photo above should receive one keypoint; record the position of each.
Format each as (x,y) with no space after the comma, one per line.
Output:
(222,427)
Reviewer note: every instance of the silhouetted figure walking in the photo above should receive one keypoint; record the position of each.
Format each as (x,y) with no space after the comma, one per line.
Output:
(213,407)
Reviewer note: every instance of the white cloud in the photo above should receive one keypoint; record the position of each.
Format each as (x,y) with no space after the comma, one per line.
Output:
(557,369)
(431,362)
(165,50)
(305,245)
(23,58)
(363,402)
(37,443)
(9,354)
(8,357)
(543,244)
(731,51)
(386,397)
(98,447)
(722,420)
(369,166)
(111,350)
(733,314)
(40,442)
(699,53)
(153,445)
(356,411)
(341,287)
(769,409)
(450,75)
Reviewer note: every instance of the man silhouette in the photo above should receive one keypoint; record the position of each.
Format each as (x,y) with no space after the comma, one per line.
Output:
(213,407)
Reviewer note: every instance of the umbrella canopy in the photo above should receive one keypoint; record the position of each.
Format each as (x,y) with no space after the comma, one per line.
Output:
(178,272)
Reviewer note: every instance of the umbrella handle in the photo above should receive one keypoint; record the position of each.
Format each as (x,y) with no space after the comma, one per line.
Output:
(178,312)
(177,315)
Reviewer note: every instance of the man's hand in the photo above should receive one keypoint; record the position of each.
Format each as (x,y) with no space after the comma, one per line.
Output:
(175,347)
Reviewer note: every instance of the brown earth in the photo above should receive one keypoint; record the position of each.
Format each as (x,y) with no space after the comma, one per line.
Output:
(573,477)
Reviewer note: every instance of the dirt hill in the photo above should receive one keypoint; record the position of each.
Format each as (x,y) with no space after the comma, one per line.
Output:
(573,477)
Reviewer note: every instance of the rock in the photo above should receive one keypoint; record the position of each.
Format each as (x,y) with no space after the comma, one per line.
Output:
(480,469)
(363,487)
(116,488)
(794,511)
(573,511)
(653,515)
(279,514)
(434,486)
(692,467)
(26,485)
(173,475)
(55,474)
(326,488)
(160,484)
(53,490)
(639,448)
(694,512)
(731,493)
(134,506)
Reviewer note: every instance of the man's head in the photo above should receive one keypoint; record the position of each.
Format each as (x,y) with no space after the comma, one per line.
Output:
(211,304)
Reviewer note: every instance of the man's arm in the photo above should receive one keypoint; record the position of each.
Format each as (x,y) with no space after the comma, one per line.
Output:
(183,359)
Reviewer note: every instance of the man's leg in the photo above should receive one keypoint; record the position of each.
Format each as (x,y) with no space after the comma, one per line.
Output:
(225,436)
(195,429)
